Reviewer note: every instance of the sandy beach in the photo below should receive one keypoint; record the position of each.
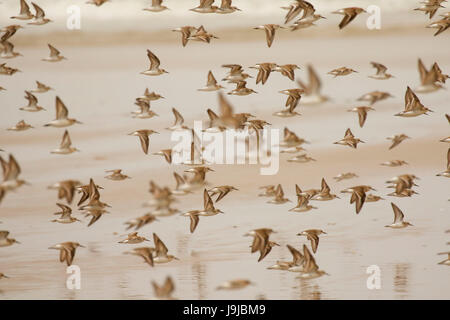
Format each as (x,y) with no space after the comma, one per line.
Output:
(99,82)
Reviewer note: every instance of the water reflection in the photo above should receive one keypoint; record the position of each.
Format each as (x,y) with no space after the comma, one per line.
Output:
(199,274)
(309,291)
(401,277)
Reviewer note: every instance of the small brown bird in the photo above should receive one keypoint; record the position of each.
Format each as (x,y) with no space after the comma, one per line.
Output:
(279,196)
(62,116)
(446,173)
(97,3)
(349,15)
(65,146)
(362,113)
(375,96)
(394,163)
(166,153)
(5,241)
(312,88)
(325,193)
(270,32)
(154,69)
(398,218)
(397,139)
(116,175)
(39,17)
(139,222)
(67,251)
(241,89)
(358,195)
(381,72)
(413,106)
(25,13)
(133,238)
(145,252)
(313,236)
(32,103)
(287,70)
(349,140)
(20,126)
(440,25)
(143,137)
(222,191)
(202,35)
(66,189)
(264,70)
(41,88)
(211,83)
(65,215)
(55,55)
(342,71)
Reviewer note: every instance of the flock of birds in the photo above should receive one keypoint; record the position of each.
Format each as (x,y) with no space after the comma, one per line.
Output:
(309,92)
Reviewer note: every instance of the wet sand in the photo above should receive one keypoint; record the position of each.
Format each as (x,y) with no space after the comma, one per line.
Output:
(99,83)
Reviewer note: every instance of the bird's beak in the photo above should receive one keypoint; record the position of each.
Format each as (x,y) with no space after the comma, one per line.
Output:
(81,246)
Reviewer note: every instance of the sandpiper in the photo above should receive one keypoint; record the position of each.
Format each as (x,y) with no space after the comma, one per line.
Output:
(211,84)
(287,70)
(310,269)
(306,22)
(302,203)
(279,196)
(139,222)
(295,9)
(9,71)
(208,207)
(3,276)
(8,50)
(313,236)
(358,195)
(413,106)
(41,88)
(349,15)
(362,113)
(236,73)
(54,56)
(342,71)
(156,6)
(397,139)
(344,176)
(25,13)
(144,111)
(145,252)
(11,171)
(226,7)
(441,25)
(21,126)
(398,218)
(325,193)
(202,35)
(373,198)
(65,215)
(234,284)
(375,96)
(67,251)
(381,72)
(166,153)
(269,191)
(349,140)
(62,116)
(116,175)
(221,191)
(311,89)
(160,255)
(205,6)
(301,158)
(66,189)
(394,163)
(5,241)
(133,238)
(446,173)
(154,69)
(241,89)
(264,70)
(39,17)
(150,96)
(143,138)
(429,79)
(270,32)
(430,7)
(297,260)
(185,33)
(66,145)
(32,103)
(91,192)
(178,123)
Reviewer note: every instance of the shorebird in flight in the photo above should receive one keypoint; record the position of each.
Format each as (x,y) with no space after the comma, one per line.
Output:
(156,6)
(394,163)
(345,176)
(144,111)
(67,251)
(287,70)
(349,140)
(261,242)
(325,193)
(279,196)
(65,215)
(375,96)
(202,35)
(441,25)
(296,8)
(297,260)
(39,17)
(358,195)
(150,96)
(205,6)
(166,153)
(226,7)
(154,69)
(145,252)
(8,50)
(139,222)
(32,103)
(381,72)
(8,71)
(178,124)
(66,145)
(302,202)
(66,189)
(349,15)
(41,88)
(362,113)
(21,126)
(413,106)
(430,7)
(446,173)
(221,191)
(430,80)
(211,83)
(97,3)
(446,261)
(270,31)
(398,218)
(397,139)
(133,238)
(241,89)
(54,56)
(116,175)
(160,255)
(342,71)
(311,89)
(62,116)
(185,33)
(11,171)
(25,13)
(264,70)
(236,73)
(5,241)
(143,138)
(313,236)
